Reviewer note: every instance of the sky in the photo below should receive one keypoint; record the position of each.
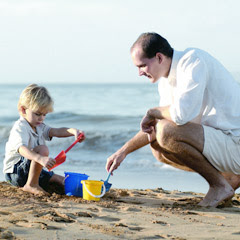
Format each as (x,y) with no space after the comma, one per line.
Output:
(88,41)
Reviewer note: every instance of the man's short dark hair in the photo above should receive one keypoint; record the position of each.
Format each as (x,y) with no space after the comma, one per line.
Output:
(153,43)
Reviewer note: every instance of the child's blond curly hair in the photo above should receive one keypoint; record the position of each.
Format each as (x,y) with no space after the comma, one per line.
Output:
(35,98)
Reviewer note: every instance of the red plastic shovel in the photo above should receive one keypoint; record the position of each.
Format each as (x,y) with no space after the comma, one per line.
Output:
(61,157)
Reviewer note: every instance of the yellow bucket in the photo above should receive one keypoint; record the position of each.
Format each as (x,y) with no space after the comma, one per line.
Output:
(92,189)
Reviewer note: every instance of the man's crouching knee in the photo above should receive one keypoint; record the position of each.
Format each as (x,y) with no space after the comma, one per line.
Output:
(166,134)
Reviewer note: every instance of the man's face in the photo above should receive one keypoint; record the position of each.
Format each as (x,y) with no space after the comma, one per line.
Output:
(149,67)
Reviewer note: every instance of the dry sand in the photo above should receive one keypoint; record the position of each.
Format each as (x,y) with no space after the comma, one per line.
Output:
(120,214)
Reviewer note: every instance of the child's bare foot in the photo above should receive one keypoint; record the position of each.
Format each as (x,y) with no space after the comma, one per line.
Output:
(35,189)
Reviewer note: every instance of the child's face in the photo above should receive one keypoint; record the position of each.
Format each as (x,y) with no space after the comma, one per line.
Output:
(34,118)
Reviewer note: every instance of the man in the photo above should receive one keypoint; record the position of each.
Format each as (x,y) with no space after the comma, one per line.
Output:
(197,124)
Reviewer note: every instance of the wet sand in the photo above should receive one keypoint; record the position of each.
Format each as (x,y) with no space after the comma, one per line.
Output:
(120,214)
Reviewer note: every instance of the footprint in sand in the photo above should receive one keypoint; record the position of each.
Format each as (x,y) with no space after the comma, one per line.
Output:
(6,234)
(20,223)
(5,213)
(56,216)
(93,209)
(83,214)
(154,237)
(37,225)
(120,225)
(91,215)
(133,228)
(158,237)
(131,209)
(109,219)
(161,223)
(129,201)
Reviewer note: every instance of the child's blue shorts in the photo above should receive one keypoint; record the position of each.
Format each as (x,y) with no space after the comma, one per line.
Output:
(20,174)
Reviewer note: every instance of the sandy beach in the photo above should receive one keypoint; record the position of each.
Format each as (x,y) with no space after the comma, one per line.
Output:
(120,214)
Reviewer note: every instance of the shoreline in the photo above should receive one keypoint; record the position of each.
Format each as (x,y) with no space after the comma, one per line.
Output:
(120,214)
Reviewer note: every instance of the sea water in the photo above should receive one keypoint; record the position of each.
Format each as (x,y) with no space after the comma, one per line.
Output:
(109,115)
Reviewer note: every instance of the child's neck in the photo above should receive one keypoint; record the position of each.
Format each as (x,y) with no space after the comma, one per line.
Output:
(33,128)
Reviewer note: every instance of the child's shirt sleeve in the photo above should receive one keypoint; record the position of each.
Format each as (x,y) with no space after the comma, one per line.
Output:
(19,137)
(45,132)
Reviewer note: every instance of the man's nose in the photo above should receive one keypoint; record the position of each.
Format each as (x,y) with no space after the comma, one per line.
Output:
(140,72)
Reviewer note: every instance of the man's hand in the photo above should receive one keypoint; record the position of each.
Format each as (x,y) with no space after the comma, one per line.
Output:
(148,126)
(138,141)
(114,161)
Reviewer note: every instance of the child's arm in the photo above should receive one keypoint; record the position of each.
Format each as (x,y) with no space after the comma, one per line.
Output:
(31,155)
(64,132)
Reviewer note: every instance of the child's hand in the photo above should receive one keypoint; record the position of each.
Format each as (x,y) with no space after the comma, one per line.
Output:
(76,133)
(81,136)
(48,162)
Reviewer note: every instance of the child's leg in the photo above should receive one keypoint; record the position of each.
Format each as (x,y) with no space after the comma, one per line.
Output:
(57,179)
(56,184)
(32,184)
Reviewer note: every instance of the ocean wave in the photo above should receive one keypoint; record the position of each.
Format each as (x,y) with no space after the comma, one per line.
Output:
(8,120)
(97,147)
(71,117)
(104,135)
(4,133)
(136,162)
(96,125)
(63,116)
(100,141)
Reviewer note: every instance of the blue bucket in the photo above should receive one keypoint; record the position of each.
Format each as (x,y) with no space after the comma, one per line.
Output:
(73,185)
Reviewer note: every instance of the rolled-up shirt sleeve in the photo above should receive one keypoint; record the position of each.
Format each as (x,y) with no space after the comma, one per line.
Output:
(188,96)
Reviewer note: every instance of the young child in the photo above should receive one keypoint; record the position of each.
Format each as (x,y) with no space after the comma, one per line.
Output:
(26,153)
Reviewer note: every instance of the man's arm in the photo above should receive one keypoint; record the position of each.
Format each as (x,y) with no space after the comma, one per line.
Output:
(138,141)
(159,113)
(150,120)
(141,139)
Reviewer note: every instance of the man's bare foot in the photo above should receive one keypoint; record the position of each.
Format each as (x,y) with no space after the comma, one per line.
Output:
(216,195)
(35,189)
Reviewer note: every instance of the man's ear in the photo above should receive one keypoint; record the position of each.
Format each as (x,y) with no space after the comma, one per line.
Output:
(159,57)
